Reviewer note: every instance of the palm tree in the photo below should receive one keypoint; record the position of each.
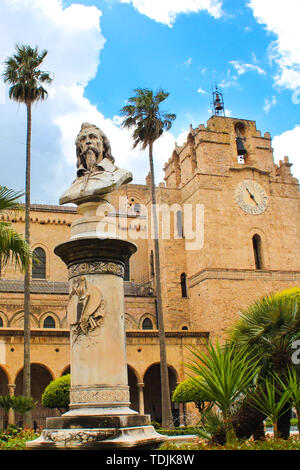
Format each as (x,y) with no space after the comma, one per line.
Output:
(13,247)
(143,114)
(26,80)
(274,395)
(223,375)
(270,327)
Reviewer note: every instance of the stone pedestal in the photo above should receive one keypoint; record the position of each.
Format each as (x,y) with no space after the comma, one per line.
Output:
(100,416)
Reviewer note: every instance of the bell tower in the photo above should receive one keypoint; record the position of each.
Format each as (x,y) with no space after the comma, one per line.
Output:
(218,103)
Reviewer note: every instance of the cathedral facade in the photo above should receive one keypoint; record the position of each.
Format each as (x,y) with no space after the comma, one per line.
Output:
(229,226)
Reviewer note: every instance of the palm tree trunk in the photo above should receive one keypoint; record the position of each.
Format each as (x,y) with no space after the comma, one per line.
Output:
(26,369)
(167,420)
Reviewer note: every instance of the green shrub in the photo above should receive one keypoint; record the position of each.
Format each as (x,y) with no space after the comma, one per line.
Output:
(188,391)
(180,431)
(15,438)
(292,443)
(57,393)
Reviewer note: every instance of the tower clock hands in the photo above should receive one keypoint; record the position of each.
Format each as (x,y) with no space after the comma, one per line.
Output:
(252,196)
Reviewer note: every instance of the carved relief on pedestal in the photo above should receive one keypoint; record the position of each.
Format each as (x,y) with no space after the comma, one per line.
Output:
(96,267)
(86,307)
(103,396)
(79,436)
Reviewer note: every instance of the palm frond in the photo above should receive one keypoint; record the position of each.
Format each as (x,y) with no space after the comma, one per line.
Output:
(143,114)
(9,199)
(22,73)
(13,248)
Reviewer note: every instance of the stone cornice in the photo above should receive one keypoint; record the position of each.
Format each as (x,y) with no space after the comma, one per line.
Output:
(251,168)
(57,332)
(242,274)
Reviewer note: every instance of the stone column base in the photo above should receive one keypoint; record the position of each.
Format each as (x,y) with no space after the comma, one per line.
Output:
(98,433)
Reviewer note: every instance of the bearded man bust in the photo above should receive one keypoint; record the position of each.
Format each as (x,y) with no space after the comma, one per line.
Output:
(97,174)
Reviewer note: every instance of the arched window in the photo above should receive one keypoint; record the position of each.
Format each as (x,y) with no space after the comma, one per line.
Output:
(147,324)
(256,241)
(49,322)
(39,264)
(240,139)
(184,328)
(179,224)
(1,322)
(183,285)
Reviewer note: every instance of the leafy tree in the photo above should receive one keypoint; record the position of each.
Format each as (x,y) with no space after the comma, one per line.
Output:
(188,391)
(6,403)
(23,404)
(57,393)
(12,245)
(18,403)
(26,82)
(143,114)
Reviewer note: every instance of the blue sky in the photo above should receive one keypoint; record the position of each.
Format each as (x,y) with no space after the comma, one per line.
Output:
(100,50)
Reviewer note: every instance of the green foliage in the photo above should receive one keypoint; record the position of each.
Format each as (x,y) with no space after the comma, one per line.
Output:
(269,327)
(6,402)
(14,438)
(223,375)
(13,247)
(188,391)
(180,431)
(143,114)
(22,73)
(210,424)
(57,393)
(23,404)
(18,403)
(292,443)
(272,399)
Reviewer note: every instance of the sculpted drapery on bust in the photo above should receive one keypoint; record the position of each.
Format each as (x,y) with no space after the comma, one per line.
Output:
(96,172)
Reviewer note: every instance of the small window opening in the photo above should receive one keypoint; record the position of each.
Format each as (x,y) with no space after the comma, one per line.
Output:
(39,264)
(256,240)
(49,322)
(147,324)
(183,285)
(179,224)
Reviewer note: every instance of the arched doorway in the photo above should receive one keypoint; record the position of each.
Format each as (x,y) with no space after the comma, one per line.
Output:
(40,378)
(133,389)
(152,392)
(3,391)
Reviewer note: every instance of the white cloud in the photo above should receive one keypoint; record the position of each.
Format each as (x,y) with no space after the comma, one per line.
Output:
(242,68)
(269,103)
(188,62)
(74,40)
(201,91)
(74,48)
(165,11)
(282,19)
(287,144)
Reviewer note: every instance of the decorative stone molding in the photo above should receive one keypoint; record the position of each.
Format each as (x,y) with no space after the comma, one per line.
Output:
(96,267)
(103,396)
(79,436)
(243,274)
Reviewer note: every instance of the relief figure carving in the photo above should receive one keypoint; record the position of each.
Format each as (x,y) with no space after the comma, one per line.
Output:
(90,309)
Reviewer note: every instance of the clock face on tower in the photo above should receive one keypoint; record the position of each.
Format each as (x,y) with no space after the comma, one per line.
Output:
(251,197)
